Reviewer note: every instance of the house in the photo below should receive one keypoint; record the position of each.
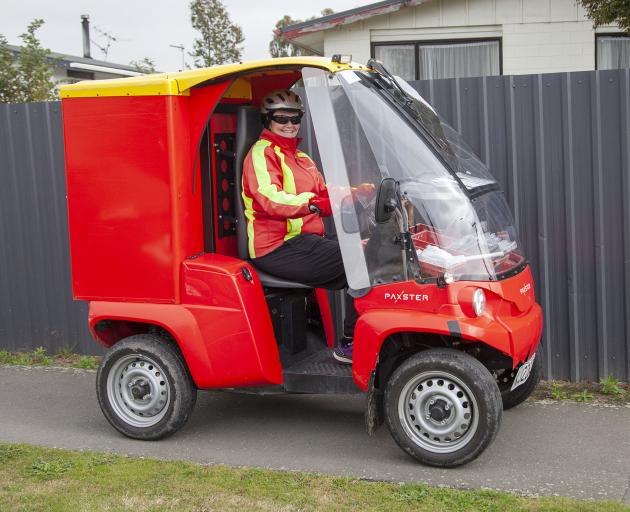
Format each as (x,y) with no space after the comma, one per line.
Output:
(426,39)
(71,69)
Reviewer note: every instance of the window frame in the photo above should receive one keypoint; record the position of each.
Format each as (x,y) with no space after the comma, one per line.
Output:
(607,34)
(435,42)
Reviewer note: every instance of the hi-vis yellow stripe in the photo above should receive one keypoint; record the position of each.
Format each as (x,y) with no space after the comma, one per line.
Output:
(268,189)
(249,214)
(294,226)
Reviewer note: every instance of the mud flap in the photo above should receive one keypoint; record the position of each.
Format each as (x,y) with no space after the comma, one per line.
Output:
(374,413)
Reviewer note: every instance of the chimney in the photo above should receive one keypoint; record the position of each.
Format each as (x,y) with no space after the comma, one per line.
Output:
(85,22)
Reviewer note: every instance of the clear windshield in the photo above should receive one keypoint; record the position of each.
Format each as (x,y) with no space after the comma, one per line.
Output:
(457,154)
(365,133)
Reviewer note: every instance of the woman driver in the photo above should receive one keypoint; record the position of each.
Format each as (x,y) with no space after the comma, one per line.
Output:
(285,199)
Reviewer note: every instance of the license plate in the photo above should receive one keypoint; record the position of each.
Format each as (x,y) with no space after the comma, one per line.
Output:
(523,373)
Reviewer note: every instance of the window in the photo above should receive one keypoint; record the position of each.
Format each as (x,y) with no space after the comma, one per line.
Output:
(427,60)
(81,75)
(399,59)
(612,51)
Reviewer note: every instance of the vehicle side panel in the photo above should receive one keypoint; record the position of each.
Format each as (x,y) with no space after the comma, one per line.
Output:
(119,198)
(226,297)
(223,330)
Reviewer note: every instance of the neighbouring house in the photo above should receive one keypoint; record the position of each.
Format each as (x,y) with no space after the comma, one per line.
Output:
(71,68)
(427,39)
(68,69)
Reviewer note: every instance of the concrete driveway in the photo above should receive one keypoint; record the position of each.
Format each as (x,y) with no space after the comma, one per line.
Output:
(566,449)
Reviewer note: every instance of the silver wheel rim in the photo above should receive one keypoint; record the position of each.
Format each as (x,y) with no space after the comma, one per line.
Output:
(138,390)
(438,412)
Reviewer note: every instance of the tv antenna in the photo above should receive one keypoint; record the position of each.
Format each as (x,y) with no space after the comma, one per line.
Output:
(181,48)
(108,37)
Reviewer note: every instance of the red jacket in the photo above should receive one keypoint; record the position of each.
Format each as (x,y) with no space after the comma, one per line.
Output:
(278,182)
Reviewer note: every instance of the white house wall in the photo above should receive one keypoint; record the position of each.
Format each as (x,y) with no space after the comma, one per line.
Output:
(538,36)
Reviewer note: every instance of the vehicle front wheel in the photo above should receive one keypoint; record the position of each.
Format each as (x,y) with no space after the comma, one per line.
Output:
(443,407)
(144,389)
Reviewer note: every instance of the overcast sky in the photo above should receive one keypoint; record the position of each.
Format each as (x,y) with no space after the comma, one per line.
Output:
(146,28)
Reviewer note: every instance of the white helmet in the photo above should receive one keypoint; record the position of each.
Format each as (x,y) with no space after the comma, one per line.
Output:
(281,99)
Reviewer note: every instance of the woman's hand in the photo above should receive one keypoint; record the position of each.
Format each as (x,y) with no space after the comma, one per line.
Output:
(320,205)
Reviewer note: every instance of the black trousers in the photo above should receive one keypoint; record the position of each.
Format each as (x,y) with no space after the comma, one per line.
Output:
(315,261)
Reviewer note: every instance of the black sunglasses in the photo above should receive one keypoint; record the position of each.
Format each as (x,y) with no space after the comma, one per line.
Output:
(297,119)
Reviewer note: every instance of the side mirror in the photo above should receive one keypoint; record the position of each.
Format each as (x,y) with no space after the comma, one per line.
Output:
(386,200)
(349,220)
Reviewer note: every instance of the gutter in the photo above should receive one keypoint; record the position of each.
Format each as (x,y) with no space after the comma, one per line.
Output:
(290,32)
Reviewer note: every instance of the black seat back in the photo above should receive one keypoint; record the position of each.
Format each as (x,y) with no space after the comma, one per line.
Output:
(248,128)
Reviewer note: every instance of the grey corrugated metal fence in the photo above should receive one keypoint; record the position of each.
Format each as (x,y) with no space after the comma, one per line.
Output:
(560,146)
(558,143)
(36,307)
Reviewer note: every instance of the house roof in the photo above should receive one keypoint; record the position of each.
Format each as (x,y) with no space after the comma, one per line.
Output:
(84,63)
(345,17)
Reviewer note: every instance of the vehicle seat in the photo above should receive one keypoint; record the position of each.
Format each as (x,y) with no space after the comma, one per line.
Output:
(248,128)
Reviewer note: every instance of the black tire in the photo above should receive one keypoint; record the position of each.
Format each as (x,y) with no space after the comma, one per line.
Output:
(441,375)
(147,365)
(521,393)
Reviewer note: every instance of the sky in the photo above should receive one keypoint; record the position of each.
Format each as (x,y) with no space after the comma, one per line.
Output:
(146,28)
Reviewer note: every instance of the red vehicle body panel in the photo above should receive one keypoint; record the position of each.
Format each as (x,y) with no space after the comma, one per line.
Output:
(222,327)
(511,322)
(132,213)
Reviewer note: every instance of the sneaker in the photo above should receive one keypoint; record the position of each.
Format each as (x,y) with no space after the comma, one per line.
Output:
(343,351)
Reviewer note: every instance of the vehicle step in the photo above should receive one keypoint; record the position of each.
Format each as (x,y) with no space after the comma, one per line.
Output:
(320,373)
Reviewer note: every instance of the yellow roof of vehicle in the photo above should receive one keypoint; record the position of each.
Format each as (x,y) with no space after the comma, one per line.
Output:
(179,84)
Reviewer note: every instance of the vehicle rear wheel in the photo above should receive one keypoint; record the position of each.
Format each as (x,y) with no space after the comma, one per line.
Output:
(505,379)
(443,407)
(144,389)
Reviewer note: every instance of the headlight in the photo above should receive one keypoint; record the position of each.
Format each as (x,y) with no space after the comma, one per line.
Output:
(479,301)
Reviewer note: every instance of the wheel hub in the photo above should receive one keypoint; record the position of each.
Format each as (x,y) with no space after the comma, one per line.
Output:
(438,411)
(138,390)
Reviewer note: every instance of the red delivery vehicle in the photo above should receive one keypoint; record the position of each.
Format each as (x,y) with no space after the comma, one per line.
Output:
(448,324)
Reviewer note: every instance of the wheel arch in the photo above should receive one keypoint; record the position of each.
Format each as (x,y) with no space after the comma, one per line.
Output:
(385,338)
(111,322)
(398,346)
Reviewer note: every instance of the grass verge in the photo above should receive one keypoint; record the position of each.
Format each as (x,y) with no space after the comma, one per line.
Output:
(64,357)
(42,479)
(607,391)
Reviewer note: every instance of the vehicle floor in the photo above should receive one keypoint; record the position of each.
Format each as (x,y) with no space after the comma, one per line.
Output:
(319,373)
(315,370)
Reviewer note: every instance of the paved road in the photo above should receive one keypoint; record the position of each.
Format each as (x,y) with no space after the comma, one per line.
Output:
(542,449)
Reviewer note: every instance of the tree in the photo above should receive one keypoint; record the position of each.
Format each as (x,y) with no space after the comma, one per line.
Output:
(9,86)
(605,12)
(280,47)
(220,38)
(28,77)
(145,65)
